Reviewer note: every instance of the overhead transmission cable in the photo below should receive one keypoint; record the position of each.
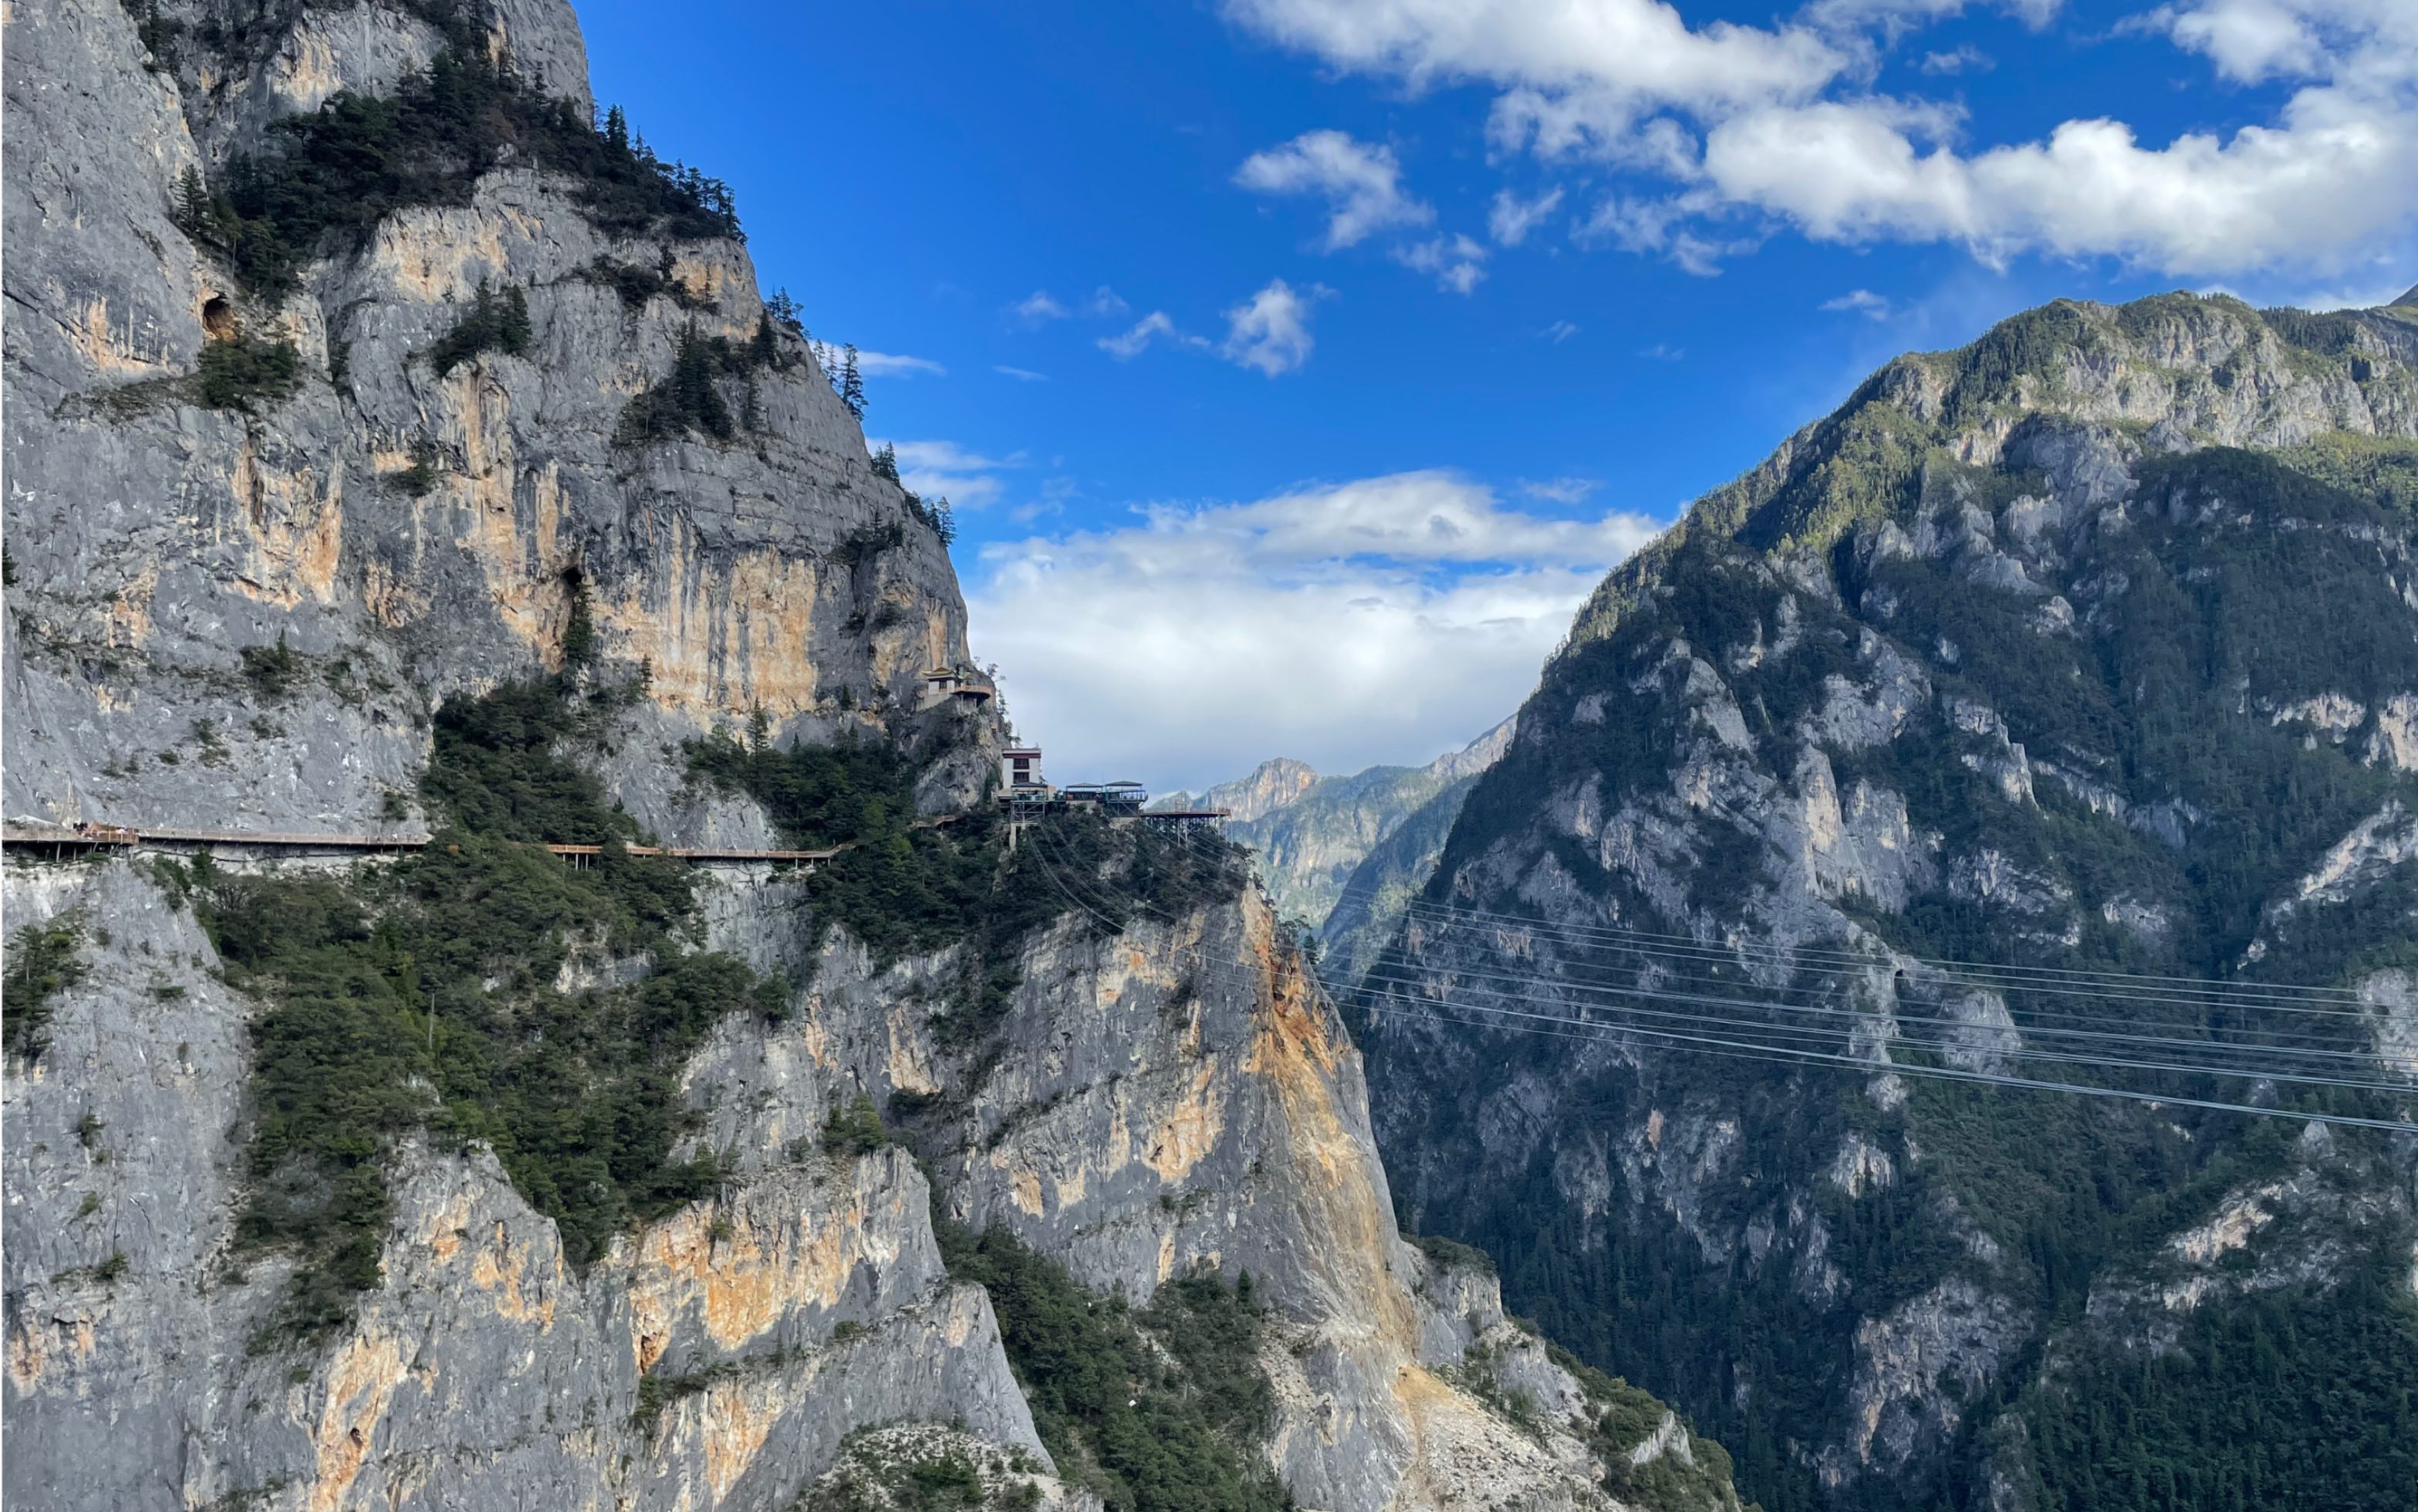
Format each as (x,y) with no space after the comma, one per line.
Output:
(2292,996)
(1793,1039)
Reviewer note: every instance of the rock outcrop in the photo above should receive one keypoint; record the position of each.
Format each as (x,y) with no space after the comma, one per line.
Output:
(403,533)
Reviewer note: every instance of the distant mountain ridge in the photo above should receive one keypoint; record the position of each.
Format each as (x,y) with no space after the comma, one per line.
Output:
(1312,833)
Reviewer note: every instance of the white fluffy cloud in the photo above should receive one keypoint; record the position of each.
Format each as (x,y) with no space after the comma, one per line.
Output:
(1457,262)
(943,468)
(1967,59)
(1386,619)
(1036,307)
(1749,128)
(1361,182)
(1627,55)
(1270,331)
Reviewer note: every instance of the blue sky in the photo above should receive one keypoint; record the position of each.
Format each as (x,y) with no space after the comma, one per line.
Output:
(1370,332)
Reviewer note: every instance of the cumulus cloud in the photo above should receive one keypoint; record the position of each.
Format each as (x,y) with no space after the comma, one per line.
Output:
(966,478)
(1361,182)
(1513,218)
(1036,307)
(889,365)
(1021,375)
(1106,302)
(1620,57)
(1457,262)
(1385,619)
(2251,40)
(1157,326)
(1751,128)
(1665,226)
(1967,59)
(1270,331)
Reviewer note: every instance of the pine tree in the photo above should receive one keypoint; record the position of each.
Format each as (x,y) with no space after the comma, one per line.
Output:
(694,393)
(616,128)
(512,330)
(852,384)
(192,212)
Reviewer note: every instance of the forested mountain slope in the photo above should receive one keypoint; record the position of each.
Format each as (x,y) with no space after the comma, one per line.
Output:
(2091,646)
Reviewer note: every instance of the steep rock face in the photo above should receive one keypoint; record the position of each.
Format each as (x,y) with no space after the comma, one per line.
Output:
(1179,1094)
(2084,648)
(483,1372)
(1313,832)
(387,536)
(1176,1095)
(1370,908)
(155,539)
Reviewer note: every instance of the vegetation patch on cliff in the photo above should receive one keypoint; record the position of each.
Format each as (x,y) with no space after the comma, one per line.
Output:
(924,1467)
(42,962)
(337,172)
(1158,1409)
(689,400)
(480,990)
(907,886)
(494,322)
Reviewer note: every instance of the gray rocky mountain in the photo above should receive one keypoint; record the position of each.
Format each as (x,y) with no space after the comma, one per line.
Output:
(392,452)
(2090,648)
(1312,833)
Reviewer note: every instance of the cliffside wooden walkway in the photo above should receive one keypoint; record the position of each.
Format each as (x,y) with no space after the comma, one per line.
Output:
(84,839)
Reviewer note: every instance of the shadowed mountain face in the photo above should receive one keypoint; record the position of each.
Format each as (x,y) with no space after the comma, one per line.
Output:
(2092,647)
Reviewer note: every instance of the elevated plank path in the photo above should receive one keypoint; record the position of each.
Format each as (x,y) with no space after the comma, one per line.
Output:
(66,841)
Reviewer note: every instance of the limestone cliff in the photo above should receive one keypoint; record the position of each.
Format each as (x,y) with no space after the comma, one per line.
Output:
(2086,649)
(404,533)
(509,503)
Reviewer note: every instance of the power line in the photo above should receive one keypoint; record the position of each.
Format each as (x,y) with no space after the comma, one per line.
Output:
(2199,991)
(1560,1025)
(1411,980)
(2196,992)
(2036,1021)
